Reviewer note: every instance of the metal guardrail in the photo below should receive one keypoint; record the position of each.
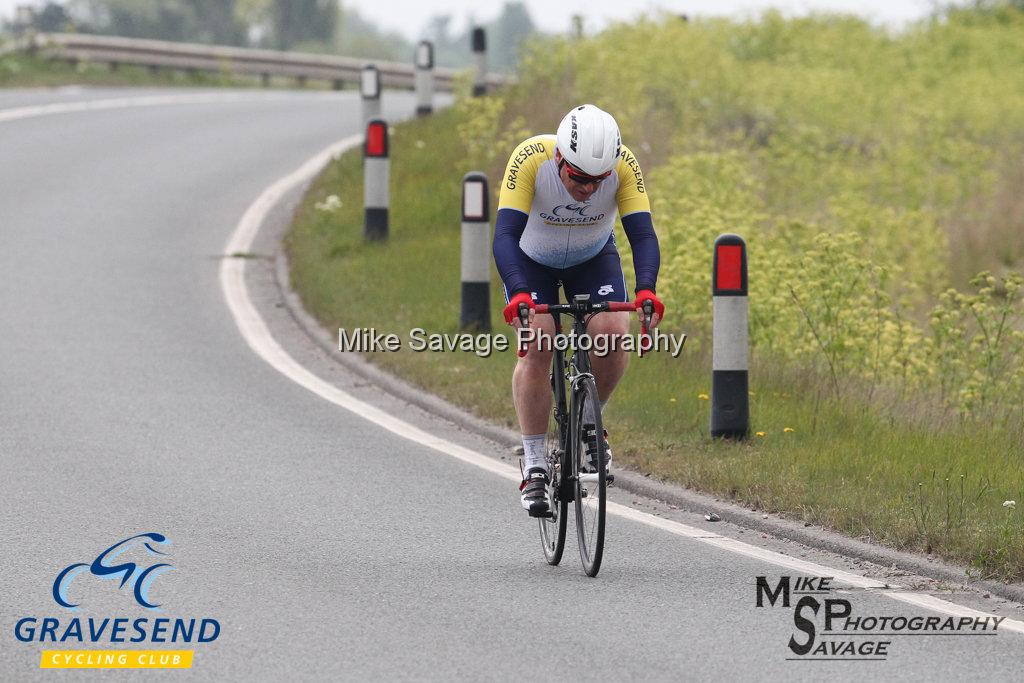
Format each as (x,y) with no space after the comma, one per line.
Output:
(159,54)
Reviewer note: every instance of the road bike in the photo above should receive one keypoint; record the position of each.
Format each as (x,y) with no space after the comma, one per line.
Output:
(576,444)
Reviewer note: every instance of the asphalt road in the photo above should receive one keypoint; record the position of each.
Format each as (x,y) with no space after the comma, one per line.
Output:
(324,546)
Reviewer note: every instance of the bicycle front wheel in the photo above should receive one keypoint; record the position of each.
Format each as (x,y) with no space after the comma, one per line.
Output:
(590,481)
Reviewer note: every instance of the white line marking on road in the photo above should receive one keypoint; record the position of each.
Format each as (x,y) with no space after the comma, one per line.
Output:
(37,110)
(259,339)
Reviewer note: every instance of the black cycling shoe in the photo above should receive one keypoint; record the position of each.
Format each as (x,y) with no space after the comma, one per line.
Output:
(591,464)
(534,492)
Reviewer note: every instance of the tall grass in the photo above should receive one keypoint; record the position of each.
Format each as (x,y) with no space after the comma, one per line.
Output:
(873,175)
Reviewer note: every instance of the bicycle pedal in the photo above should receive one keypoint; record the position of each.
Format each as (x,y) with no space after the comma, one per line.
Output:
(609,479)
(545,513)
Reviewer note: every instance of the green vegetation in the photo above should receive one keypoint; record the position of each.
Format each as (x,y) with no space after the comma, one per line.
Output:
(872,175)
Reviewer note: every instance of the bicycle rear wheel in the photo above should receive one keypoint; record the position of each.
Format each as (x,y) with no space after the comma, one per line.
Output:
(552,529)
(591,486)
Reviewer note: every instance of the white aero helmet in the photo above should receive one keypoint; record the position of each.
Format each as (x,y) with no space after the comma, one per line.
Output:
(588,138)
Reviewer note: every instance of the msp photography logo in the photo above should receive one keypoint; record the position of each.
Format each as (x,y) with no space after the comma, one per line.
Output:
(135,579)
(828,630)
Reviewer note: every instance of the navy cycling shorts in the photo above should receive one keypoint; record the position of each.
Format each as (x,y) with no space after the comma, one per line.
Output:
(601,277)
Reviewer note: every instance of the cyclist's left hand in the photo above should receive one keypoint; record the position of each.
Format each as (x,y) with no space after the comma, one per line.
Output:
(659,308)
(511,311)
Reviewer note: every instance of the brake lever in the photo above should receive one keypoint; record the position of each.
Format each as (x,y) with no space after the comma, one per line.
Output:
(524,321)
(645,327)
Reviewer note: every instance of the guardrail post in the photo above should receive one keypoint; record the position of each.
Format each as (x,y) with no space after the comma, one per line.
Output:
(480,59)
(476,254)
(369,88)
(424,78)
(730,402)
(376,174)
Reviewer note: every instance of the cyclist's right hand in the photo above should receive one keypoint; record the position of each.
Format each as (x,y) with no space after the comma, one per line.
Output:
(644,296)
(512,310)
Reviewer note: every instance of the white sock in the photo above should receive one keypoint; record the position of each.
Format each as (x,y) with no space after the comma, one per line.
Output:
(533,452)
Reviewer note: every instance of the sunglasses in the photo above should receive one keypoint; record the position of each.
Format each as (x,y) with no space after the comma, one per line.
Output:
(578,176)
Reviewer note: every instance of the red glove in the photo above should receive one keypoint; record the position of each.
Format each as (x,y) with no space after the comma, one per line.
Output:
(512,310)
(645,294)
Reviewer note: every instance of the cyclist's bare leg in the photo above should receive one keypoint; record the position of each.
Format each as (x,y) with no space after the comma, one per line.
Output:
(531,386)
(608,369)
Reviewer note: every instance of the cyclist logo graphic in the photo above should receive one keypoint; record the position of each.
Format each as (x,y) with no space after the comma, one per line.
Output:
(577,213)
(131,573)
(578,209)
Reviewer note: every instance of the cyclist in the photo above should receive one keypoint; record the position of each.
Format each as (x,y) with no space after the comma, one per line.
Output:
(555,226)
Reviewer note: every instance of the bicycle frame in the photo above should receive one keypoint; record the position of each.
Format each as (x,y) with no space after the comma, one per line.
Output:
(575,368)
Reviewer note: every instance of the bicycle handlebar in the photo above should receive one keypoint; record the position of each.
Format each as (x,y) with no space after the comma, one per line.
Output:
(612,306)
(589,308)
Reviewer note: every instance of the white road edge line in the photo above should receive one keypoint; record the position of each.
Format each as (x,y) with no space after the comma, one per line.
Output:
(259,339)
(33,111)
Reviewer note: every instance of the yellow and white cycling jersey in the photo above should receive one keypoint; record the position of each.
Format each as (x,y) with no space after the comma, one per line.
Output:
(561,232)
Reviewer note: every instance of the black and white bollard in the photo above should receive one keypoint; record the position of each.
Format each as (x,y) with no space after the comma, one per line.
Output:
(369,89)
(730,402)
(476,254)
(480,61)
(375,181)
(424,78)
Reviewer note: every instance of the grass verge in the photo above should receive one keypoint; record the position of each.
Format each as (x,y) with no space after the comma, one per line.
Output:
(853,466)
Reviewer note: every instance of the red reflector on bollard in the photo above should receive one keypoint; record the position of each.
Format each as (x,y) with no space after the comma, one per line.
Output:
(377,139)
(730,267)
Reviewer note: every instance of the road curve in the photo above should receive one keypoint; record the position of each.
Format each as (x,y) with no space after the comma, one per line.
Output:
(324,546)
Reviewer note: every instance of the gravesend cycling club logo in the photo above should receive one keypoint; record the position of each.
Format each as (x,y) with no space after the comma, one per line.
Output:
(133,565)
(828,628)
(139,579)
(571,214)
